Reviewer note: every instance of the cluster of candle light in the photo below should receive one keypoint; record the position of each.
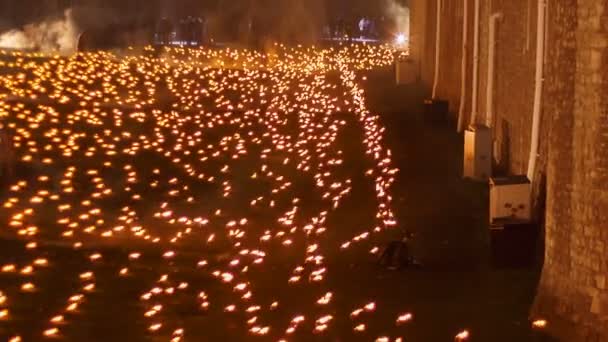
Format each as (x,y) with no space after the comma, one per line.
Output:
(189,152)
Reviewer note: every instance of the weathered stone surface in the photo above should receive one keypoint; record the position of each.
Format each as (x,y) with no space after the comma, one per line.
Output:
(573,292)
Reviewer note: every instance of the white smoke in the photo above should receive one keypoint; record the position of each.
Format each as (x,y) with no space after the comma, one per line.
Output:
(15,39)
(57,35)
(400,15)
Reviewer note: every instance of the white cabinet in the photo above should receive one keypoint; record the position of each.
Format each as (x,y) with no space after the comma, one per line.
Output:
(477,153)
(510,199)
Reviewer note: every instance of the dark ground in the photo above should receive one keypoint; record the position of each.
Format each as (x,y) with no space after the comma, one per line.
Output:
(457,288)
(458,285)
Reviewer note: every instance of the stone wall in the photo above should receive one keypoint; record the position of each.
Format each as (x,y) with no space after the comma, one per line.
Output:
(574,285)
(573,291)
(514,81)
(514,68)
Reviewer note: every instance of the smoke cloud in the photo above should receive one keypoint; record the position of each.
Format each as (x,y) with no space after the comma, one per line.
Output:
(279,20)
(50,35)
(400,16)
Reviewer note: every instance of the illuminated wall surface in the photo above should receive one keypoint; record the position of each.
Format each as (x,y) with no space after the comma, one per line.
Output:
(573,146)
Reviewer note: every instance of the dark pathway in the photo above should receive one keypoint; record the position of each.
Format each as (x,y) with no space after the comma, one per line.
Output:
(458,287)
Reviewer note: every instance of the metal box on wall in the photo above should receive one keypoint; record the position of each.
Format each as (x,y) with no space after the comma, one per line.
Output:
(477,153)
(510,199)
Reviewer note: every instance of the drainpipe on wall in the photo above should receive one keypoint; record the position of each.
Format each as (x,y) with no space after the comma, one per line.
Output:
(473,119)
(463,77)
(437,50)
(538,88)
(491,62)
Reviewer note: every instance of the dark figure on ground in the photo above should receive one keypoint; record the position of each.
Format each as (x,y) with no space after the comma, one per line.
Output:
(397,254)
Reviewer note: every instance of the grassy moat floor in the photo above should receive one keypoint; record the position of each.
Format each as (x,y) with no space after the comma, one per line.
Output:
(253,274)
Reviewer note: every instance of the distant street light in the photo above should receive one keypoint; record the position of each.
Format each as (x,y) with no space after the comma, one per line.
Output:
(401,39)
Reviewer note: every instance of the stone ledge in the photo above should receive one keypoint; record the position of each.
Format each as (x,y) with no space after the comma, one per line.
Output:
(557,313)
